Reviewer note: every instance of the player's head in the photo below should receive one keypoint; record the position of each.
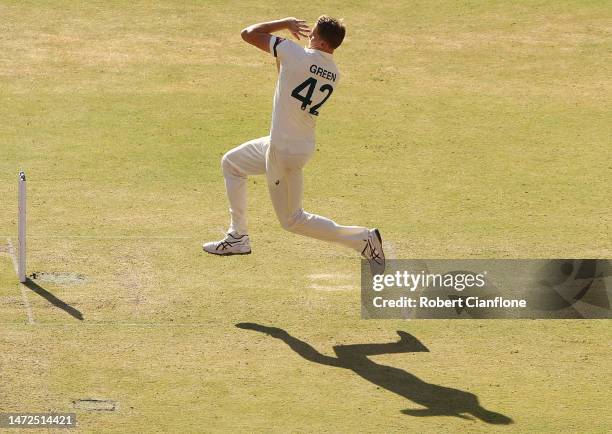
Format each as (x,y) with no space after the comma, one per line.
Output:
(327,33)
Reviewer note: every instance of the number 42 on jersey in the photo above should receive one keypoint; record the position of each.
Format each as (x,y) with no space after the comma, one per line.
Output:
(308,87)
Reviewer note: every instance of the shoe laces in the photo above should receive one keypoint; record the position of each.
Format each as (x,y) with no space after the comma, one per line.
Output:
(371,253)
(226,243)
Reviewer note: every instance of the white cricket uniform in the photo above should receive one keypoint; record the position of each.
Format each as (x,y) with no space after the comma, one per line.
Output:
(307,78)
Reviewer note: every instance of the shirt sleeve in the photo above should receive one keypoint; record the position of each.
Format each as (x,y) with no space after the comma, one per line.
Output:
(285,50)
(274,43)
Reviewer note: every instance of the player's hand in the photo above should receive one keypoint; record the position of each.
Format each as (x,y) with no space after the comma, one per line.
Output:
(297,27)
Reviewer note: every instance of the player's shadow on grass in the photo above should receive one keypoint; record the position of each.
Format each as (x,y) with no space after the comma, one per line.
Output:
(35,287)
(437,400)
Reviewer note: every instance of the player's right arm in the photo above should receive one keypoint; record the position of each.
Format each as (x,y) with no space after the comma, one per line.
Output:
(260,34)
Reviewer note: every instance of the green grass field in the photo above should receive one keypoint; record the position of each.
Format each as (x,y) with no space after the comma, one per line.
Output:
(472,129)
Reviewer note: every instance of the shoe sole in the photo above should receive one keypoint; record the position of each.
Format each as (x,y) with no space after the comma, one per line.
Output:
(228,253)
(381,248)
(379,241)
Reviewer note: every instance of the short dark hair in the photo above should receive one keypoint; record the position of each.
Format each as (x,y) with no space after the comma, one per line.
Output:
(331,30)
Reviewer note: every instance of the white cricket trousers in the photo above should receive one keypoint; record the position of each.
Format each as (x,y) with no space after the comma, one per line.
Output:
(285,184)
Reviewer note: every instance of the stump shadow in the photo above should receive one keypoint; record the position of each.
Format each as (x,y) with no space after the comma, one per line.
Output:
(61,304)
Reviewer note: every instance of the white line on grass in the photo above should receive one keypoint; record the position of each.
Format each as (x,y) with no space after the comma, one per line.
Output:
(318,287)
(24,296)
(113,237)
(389,246)
(12,255)
(323,276)
(111,324)
(333,278)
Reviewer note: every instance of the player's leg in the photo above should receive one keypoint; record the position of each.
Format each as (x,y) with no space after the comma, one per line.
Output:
(237,164)
(285,183)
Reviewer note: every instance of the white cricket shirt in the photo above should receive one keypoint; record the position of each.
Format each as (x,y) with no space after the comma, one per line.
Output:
(306,80)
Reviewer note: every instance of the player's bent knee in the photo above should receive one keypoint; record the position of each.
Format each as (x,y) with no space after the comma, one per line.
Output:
(227,166)
(286,224)
(292,222)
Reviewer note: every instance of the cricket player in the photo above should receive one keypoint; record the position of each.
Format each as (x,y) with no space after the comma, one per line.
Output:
(307,79)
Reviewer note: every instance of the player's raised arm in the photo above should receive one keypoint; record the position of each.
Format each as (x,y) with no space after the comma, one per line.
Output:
(259,34)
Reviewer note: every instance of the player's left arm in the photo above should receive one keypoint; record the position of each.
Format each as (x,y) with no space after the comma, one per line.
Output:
(259,34)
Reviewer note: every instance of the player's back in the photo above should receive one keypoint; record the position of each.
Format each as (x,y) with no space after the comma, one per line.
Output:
(306,80)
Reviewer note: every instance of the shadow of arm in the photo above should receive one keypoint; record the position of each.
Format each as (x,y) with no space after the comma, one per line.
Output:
(302,348)
(406,344)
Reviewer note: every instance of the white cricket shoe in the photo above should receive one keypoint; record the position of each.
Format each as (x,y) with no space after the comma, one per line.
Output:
(373,252)
(232,244)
